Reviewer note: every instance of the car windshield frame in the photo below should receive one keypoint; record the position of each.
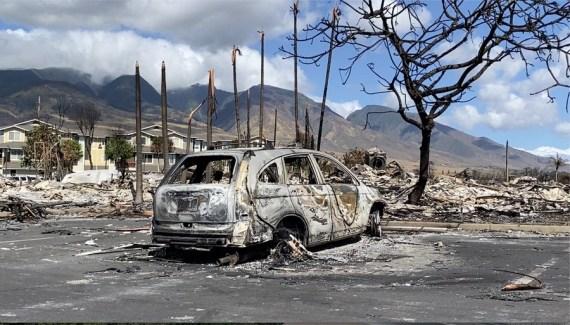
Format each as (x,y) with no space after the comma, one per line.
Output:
(172,173)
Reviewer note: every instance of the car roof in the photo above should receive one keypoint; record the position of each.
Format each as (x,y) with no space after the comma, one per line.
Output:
(259,156)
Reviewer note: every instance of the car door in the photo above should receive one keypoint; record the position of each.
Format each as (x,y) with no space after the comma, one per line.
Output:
(310,199)
(272,199)
(345,197)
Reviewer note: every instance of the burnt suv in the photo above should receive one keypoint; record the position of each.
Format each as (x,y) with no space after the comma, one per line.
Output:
(240,197)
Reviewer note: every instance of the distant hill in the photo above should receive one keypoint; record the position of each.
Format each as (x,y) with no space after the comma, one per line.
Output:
(120,93)
(19,90)
(448,145)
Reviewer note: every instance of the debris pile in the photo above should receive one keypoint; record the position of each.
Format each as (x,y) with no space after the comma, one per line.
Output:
(454,199)
(79,195)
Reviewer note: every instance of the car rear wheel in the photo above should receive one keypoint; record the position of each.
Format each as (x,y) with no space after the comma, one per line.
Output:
(374,228)
(291,227)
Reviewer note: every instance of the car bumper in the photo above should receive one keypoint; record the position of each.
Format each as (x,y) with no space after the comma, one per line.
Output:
(200,234)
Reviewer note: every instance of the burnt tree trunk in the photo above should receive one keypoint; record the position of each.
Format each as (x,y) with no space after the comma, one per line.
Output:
(88,143)
(164,116)
(235,51)
(417,192)
(261,91)
(248,130)
(138,199)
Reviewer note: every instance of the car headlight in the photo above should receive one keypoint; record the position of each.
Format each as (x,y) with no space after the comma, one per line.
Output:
(172,206)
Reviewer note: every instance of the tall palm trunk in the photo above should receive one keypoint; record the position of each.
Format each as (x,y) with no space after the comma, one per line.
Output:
(164,115)
(236,51)
(139,157)
(261,89)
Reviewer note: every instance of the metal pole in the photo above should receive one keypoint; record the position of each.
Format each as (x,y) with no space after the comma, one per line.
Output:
(295,12)
(507,162)
(323,103)
(275,130)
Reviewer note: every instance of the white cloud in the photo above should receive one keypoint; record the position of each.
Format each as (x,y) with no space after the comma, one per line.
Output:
(466,116)
(341,108)
(563,128)
(211,24)
(547,151)
(344,108)
(505,102)
(105,54)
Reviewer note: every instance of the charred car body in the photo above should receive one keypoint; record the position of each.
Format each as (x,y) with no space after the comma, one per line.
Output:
(240,197)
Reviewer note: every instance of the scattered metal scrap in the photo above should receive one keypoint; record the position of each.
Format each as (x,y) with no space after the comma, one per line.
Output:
(527,282)
(23,210)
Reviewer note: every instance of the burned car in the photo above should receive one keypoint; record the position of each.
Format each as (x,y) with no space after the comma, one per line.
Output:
(241,197)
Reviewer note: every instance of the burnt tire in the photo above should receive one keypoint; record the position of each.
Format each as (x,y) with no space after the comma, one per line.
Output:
(293,228)
(374,228)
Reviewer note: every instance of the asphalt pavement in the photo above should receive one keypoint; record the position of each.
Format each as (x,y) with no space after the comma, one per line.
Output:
(450,277)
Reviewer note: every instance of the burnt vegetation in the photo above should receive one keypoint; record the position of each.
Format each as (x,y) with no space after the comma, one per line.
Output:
(430,64)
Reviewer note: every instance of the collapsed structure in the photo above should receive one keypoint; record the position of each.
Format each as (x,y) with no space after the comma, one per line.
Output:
(458,199)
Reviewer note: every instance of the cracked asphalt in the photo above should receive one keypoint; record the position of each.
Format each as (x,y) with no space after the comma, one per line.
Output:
(450,277)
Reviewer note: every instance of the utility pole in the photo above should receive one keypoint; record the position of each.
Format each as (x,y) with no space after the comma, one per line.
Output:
(211,108)
(323,104)
(507,162)
(275,130)
(307,128)
(138,139)
(235,52)
(295,12)
(248,131)
(39,107)
(261,90)
(164,115)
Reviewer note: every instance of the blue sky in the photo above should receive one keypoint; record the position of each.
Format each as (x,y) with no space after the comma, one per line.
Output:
(105,38)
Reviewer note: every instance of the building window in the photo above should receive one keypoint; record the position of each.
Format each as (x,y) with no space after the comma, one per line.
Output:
(147,159)
(16,154)
(14,136)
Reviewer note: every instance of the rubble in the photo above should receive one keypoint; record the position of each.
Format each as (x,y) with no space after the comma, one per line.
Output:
(456,199)
(85,194)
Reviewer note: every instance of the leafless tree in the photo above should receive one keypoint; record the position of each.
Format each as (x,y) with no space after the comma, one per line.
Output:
(429,68)
(558,162)
(86,116)
(62,106)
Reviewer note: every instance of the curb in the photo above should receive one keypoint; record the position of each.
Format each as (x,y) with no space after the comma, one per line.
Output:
(444,226)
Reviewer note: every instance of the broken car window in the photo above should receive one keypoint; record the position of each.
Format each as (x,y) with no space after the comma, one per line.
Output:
(204,170)
(299,171)
(270,175)
(332,172)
